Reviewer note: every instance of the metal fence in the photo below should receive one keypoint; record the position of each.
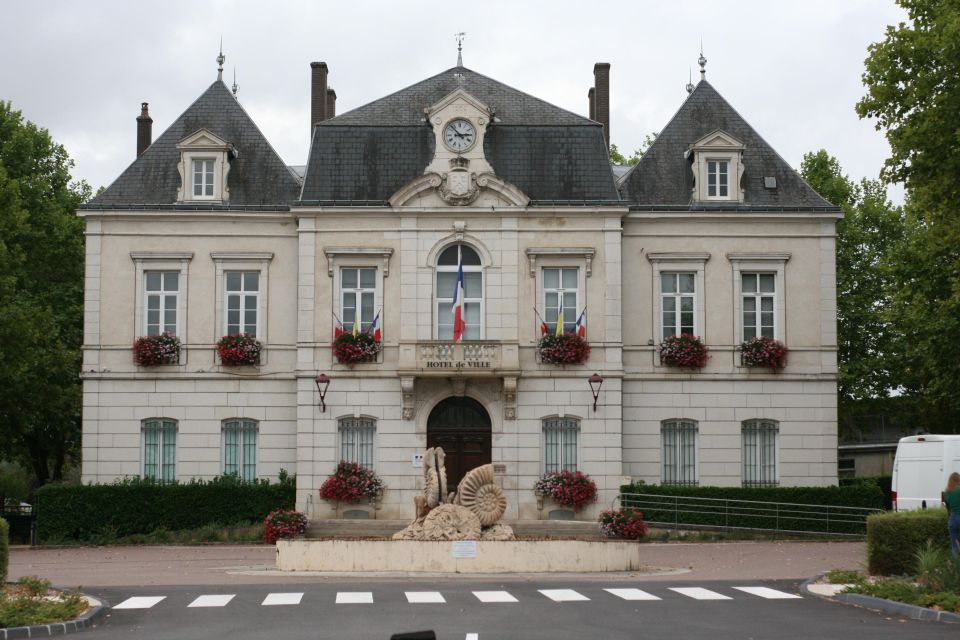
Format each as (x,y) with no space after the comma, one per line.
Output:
(728,515)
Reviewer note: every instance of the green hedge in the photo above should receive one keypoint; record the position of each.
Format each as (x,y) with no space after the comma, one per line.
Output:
(75,513)
(816,513)
(884,482)
(4,551)
(894,538)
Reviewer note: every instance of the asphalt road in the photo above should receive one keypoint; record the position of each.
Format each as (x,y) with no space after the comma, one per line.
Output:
(547,609)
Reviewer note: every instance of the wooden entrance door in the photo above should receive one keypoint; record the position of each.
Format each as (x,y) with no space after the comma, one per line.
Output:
(462,427)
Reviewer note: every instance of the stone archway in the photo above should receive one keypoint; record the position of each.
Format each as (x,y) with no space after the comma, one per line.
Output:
(462,427)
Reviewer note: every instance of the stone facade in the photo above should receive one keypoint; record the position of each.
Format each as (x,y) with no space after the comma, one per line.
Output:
(520,220)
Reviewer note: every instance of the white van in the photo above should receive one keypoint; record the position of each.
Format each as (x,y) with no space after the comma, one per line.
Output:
(921,468)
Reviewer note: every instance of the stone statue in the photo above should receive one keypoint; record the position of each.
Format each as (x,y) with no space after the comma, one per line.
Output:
(471,513)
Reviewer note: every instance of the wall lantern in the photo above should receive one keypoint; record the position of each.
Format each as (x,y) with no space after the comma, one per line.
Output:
(323,381)
(596,381)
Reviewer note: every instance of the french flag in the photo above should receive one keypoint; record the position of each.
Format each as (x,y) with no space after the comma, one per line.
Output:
(458,323)
(582,324)
(374,327)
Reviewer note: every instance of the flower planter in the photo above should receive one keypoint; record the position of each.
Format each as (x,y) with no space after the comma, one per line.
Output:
(237,350)
(761,352)
(352,484)
(566,349)
(685,351)
(150,351)
(356,349)
(570,489)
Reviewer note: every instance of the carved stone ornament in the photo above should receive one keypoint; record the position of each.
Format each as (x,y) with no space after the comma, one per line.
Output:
(458,188)
(479,492)
(409,397)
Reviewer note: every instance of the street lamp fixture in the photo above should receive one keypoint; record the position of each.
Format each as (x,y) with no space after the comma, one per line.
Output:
(596,381)
(323,381)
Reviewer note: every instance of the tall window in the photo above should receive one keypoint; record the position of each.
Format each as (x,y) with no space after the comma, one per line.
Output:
(472,290)
(759,297)
(679,451)
(760,452)
(357,296)
(160,449)
(203,178)
(677,303)
(356,440)
(718,183)
(240,449)
(560,444)
(560,294)
(243,301)
(162,293)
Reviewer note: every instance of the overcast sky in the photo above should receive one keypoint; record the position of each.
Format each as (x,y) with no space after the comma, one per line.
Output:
(792,69)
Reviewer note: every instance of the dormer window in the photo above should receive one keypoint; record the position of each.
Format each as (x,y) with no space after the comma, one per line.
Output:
(204,165)
(717,166)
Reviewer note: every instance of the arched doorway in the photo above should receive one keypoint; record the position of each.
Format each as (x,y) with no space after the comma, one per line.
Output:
(462,427)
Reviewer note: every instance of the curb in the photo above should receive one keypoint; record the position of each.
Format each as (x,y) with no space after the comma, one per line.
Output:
(92,615)
(911,611)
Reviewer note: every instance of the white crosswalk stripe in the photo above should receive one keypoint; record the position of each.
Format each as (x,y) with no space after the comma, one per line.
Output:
(424,597)
(494,596)
(699,593)
(212,601)
(632,594)
(140,602)
(277,599)
(354,597)
(564,595)
(768,593)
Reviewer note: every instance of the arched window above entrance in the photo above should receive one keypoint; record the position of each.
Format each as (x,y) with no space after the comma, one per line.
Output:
(446,282)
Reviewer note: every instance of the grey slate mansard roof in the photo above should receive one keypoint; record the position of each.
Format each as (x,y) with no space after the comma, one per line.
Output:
(257,175)
(367,154)
(663,175)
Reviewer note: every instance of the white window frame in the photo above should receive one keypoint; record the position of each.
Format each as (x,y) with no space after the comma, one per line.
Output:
(448,299)
(225,262)
(679,429)
(677,296)
(358,291)
(359,257)
(204,145)
(242,435)
(162,295)
(756,262)
(242,326)
(763,428)
(162,261)
(540,258)
(717,146)
(718,186)
(370,426)
(205,174)
(564,431)
(544,290)
(160,447)
(679,262)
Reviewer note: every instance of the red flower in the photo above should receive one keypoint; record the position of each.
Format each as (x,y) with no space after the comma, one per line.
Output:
(568,488)
(568,348)
(283,524)
(626,523)
(239,349)
(350,349)
(351,483)
(685,350)
(152,350)
(761,351)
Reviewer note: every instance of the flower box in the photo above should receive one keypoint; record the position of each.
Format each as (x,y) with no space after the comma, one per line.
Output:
(351,349)
(283,524)
(237,350)
(684,350)
(761,351)
(572,489)
(352,483)
(568,348)
(626,523)
(153,350)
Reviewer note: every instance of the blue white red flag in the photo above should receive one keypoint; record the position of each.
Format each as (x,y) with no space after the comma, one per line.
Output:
(582,324)
(459,325)
(374,327)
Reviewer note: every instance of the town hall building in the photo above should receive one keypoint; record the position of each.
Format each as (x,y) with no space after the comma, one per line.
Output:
(460,191)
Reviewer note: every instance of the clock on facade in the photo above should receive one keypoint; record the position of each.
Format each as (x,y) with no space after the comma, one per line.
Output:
(459,135)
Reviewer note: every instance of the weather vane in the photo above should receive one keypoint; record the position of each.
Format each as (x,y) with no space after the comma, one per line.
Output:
(220,59)
(459,37)
(702,62)
(234,87)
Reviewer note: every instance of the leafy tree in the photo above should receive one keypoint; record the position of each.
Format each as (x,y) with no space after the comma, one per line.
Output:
(619,159)
(41,297)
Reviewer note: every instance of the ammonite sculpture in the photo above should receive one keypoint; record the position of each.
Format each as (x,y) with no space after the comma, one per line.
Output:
(479,492)
(451,522)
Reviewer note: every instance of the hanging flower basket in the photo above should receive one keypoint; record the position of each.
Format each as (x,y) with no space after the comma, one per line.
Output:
(352,483)
(153,350)
(566,349)
(572,489)
(761,351)
(684,350)
(350,349)
(239,349)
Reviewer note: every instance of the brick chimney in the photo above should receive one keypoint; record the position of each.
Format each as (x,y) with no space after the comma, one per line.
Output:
(331,103)
(144,129)
(593,104)
(318,93)
(601,98)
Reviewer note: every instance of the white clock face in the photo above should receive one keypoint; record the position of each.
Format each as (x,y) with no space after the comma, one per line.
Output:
(459,135)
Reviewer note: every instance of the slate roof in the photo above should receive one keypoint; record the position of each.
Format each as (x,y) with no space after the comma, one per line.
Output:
(257,175)
(663,176)
(367,154)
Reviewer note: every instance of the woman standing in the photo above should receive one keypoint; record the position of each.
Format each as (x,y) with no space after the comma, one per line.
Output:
(951,496)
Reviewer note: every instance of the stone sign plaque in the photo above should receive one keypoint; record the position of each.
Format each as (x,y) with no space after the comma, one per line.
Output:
(464,548)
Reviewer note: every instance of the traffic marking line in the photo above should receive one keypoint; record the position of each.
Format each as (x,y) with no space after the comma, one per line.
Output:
(699,593)
(354,597)
(494,596)
(768,593)
(564,595)
(139,602)
(212,601)
(632,594)
(424,597)
(275,599)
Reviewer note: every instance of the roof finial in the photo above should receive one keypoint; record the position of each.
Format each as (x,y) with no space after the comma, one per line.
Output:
(459,37)
(702,62)
(220,59)
(234,87)
(690,80)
